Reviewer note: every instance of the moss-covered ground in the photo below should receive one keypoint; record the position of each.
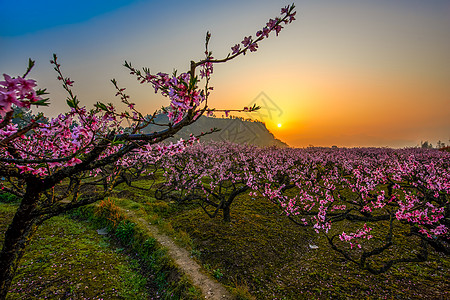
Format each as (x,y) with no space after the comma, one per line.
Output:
(68,259)
(263,252)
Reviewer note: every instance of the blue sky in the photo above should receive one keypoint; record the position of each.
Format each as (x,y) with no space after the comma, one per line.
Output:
(350,73)
(25,17)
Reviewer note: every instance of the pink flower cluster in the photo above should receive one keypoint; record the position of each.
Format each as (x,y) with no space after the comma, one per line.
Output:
(359,234)
(59,142)
(9,130)
(182,90)
(18,91)
(288,15)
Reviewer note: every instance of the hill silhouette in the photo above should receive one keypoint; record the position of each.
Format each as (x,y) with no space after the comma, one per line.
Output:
(236,130)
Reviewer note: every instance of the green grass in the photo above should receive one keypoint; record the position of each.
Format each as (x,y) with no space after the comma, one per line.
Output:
(272,257)
(264,253)
(69,259)
(166,278)
(8,198)
(259,255)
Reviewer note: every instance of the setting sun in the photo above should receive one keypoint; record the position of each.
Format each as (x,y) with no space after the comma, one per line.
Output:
(279,125)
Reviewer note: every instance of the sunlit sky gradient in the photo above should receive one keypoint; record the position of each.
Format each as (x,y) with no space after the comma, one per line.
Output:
(345,73)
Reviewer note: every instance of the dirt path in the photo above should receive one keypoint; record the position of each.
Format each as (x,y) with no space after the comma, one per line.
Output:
(210,288)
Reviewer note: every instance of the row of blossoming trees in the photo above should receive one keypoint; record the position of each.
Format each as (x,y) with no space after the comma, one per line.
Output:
(75,159)
(386,198)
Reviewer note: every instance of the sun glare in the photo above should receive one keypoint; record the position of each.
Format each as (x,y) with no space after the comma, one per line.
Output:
(279,125)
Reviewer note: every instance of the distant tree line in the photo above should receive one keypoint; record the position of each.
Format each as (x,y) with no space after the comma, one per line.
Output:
(428,145)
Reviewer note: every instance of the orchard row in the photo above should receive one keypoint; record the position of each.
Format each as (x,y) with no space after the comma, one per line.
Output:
(396,196)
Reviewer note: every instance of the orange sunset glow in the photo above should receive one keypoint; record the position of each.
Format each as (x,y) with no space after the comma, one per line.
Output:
(345,73)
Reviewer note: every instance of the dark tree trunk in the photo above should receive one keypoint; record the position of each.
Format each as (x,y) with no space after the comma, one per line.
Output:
(226,214)
(17,238)
(226,205)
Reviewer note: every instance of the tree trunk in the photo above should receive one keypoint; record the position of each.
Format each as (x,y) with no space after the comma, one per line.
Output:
(17,238)
(226,213)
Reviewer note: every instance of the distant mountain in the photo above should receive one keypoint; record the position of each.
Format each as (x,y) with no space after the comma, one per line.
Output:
(235,130)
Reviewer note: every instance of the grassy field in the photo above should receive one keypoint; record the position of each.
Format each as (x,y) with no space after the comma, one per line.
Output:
(266,252)
(263,252)
(68,259)
(259,255)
